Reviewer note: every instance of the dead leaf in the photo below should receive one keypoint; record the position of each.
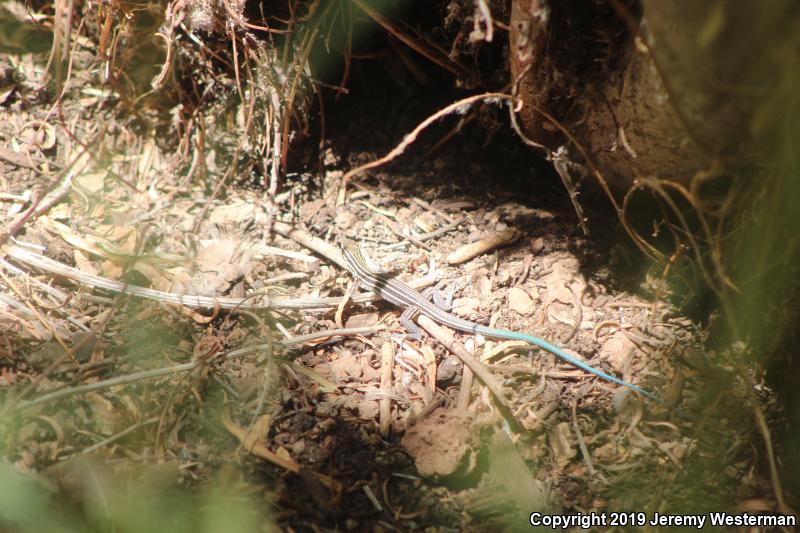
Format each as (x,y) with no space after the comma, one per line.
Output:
(618,350)
(520,301)
(94,182)
(561,444)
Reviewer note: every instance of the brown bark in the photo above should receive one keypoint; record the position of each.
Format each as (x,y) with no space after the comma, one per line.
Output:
(683,99)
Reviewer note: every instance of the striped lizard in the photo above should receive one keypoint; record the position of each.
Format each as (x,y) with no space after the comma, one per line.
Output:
(398,293)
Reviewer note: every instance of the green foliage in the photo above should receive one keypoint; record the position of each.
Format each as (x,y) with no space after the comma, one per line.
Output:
(87,495)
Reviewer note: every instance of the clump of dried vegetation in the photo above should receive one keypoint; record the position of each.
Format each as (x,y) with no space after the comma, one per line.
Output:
(153,150)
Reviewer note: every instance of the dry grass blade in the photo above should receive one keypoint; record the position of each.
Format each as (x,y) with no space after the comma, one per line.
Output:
(456,107)
(436,55)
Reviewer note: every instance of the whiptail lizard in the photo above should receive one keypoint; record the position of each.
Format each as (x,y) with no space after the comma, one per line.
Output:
(398,293)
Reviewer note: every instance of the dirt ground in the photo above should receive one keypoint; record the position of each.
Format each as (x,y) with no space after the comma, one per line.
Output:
(115,394)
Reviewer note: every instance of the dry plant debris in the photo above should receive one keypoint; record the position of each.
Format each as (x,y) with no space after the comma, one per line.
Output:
(242,370)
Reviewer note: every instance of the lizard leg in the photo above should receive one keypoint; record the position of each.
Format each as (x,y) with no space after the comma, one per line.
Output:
(406,319)
(441,301)
(431,293)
